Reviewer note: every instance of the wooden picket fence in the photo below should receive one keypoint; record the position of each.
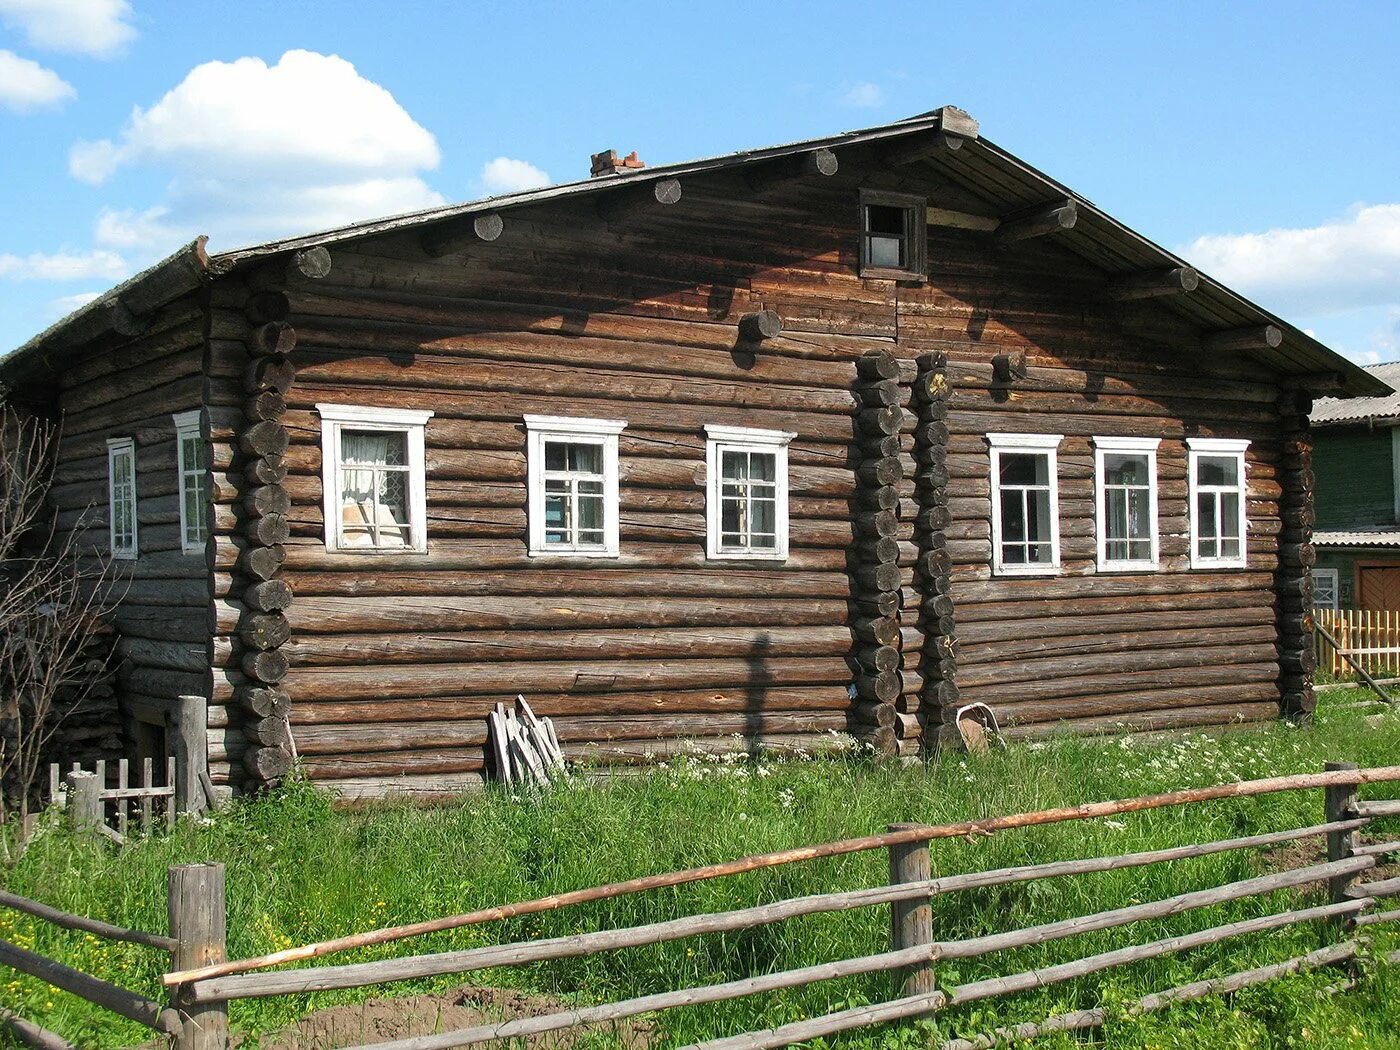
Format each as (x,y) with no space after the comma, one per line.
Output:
(201,983)
(1370,637)
(113,805)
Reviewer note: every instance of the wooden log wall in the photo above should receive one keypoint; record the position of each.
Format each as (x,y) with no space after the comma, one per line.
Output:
(132,387)
(1297,647)
(1151,650)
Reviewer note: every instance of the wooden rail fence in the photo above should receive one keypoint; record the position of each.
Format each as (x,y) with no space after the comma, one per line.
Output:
(200,982)
(1370,637)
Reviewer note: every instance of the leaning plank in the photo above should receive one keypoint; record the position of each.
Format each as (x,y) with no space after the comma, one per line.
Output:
(978,946)
(1078,1020)
(108,996)
(713,993)
(1087,811)
(27,1033)
(932,1002)
(81,922)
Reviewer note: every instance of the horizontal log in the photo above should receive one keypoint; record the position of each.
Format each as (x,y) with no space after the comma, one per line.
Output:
(96,927)
(101,993)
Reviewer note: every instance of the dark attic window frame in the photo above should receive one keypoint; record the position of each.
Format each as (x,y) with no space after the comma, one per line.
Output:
(915,211)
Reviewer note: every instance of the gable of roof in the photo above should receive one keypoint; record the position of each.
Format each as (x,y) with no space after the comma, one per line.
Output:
(1385,408)
(1006,183)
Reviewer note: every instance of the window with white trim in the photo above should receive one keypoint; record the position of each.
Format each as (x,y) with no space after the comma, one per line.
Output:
(746,499)
(573,500)
(1325,594)
(374,479)
(1125,502)
(1025,504)
(121,496)
(1217,484)
(193,463)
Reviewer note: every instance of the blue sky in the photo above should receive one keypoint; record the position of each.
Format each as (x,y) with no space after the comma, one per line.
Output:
(1262,140)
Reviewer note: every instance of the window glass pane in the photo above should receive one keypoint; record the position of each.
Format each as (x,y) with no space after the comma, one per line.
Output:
(1020,468)
(373,448)
(590,488)
(556,455)
(1205,515)
(590,512)
(1115,515)
(1139,514)
(1013,522)
(729,517)
(763,466)
(886,251)
(1230,514)
(1217,470)
(764,516)
(734,466)
(1229,548)
(1040,554)
(1125,469)
(586,458)
(1013,553)
(1039,523)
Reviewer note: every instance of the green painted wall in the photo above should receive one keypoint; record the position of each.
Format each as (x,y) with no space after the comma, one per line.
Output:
(1355,479)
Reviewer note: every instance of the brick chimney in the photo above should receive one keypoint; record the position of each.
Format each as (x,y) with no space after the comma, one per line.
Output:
(609,163)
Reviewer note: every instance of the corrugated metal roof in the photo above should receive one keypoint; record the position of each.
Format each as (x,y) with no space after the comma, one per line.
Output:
(1333,410)
(991,173)
(1348,538)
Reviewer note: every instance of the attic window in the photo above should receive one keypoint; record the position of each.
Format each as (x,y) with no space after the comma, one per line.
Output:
(893,236)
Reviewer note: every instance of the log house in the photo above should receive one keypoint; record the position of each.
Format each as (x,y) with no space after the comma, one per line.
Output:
(803,444)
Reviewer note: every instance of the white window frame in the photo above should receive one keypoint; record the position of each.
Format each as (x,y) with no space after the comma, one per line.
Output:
(1334,575)
(1217,447)
(721,439)
(115,447)
(601,432)
(1045,444)
(406,421)
(189,425)
(1133,447)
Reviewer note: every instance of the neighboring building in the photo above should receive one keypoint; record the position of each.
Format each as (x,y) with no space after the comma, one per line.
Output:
(1356,457)
(830,437)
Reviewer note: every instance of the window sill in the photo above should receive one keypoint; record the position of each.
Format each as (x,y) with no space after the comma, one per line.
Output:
(124,555)
(569,552)
(1012,573)
(371,552)
(744,556)
(1203,566)
(881,273)
(1129,566)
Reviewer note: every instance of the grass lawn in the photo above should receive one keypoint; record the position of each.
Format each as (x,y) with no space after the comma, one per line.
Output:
(299,871)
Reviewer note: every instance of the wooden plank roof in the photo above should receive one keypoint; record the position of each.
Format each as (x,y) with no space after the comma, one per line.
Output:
(984,169)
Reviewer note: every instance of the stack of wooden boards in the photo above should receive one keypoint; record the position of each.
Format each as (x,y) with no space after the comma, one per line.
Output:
(523,748)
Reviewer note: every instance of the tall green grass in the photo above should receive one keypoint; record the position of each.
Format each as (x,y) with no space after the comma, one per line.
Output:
(299,870)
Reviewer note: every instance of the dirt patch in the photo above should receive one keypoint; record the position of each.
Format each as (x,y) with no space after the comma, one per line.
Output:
(379,1020)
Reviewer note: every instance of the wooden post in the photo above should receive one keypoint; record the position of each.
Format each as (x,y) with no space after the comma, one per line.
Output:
(198,922)
(84,802)
(911,921)
(1339,803)
(191,753)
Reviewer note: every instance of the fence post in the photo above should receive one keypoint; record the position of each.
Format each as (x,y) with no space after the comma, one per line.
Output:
(1339,803)
(84,802)
(198,922)
(191,753)
(911,921)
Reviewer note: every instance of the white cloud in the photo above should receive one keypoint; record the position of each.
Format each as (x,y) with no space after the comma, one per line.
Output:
(256,151)
(25,85)
(66,304)
(864,95)
(1342,265)
(507,175)
(88,27)
(62,266)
